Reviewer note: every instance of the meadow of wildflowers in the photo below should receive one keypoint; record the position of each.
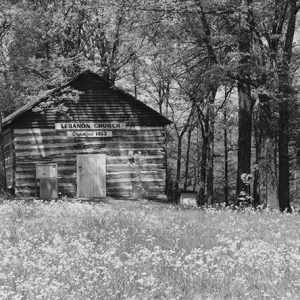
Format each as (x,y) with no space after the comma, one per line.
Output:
(65,250)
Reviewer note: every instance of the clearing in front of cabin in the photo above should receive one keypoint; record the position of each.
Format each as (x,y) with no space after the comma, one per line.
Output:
(132,250)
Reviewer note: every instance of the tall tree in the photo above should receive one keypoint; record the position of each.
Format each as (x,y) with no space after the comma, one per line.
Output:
(277,27)
(286,92)
(244,92)
(180,132)
(5,25)
(54,40)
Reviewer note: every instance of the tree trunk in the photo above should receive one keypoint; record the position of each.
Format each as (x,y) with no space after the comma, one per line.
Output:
(203,170)
(258,135)
(178,167)
(283,152)
(196,165)
(244,95)
(269,178)
(286,93)
(210,168)
(187,161)
(195,177)
(179,150)
(226,184)
(244,137)
(210,147)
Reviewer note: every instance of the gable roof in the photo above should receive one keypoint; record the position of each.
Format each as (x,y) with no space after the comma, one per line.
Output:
(33,103)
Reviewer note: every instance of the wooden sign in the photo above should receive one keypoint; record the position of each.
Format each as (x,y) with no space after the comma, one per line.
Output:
(46,170)
(89,126)
(80,134)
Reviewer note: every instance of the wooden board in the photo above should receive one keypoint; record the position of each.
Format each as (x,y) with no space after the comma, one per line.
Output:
(48,188)
(91,175)
(46,170)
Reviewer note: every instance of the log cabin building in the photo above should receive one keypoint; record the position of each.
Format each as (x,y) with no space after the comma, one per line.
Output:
(108,144)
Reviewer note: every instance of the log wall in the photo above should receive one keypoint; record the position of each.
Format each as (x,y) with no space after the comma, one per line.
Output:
(9,157)
(32,146)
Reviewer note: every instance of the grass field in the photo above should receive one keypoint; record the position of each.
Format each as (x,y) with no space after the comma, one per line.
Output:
(64,250)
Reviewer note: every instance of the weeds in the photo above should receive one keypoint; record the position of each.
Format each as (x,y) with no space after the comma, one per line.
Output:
(68,250)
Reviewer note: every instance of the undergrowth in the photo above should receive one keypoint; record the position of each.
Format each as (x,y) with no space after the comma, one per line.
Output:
(65,250)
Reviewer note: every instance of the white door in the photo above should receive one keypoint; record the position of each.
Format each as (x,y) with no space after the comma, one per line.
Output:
(91,175)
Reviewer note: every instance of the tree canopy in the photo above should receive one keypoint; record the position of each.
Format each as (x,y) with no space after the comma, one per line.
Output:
(199,62)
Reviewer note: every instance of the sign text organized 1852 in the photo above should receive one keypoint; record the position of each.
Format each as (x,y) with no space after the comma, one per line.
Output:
(82,134)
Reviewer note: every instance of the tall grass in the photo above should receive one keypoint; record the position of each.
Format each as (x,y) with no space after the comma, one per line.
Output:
(64,250)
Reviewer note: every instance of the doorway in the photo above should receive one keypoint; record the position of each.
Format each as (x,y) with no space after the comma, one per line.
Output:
(91,175)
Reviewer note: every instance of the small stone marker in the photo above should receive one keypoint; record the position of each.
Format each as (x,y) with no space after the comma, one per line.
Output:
(188,199)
